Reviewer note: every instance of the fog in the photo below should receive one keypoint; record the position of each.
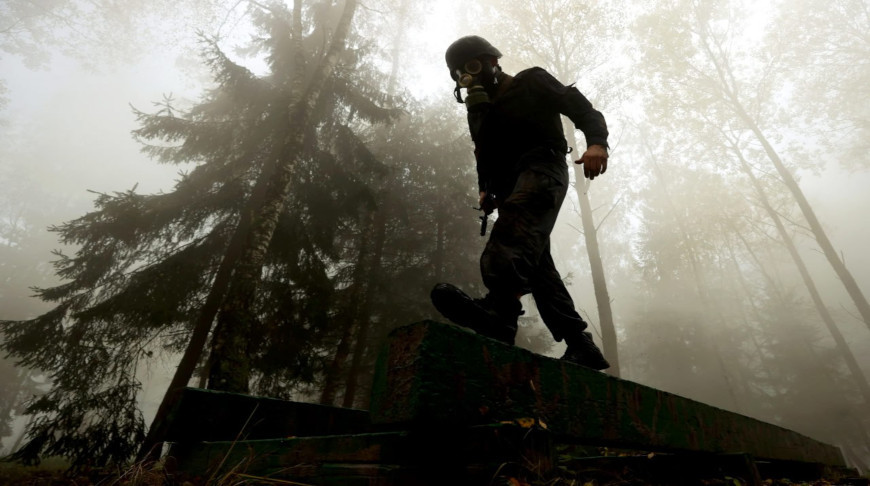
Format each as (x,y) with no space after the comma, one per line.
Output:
(706,300)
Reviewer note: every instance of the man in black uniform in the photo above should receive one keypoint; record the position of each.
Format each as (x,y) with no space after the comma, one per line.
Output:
(520,149)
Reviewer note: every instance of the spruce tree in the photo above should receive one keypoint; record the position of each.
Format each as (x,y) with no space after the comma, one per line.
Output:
(145,264)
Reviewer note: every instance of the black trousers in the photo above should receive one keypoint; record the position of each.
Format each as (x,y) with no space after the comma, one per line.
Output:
(517,257)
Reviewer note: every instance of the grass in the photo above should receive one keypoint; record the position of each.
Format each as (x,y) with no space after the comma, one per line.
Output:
(52,471)
(56,472)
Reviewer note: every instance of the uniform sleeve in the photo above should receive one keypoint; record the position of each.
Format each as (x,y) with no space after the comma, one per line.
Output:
(482,175)
(570,102)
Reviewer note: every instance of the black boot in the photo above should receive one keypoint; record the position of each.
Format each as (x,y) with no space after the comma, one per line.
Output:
(493,316)
(583,351)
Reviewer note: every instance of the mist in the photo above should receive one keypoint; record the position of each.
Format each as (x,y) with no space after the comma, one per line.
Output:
(711,109)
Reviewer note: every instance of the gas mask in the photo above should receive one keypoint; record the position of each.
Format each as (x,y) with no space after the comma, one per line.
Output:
(475,76)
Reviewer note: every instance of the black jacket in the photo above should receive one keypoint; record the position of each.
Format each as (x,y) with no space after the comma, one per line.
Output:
(526,117)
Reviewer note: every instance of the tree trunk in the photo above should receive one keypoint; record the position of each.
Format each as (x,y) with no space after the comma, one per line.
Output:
(401,23)
(193,351)
(821,308)
(599,281)
(230,362)
(703,295)
(729,93)
(364,317)
(810,215)
(336,366)
(350,320)
(438,258)
(372,272)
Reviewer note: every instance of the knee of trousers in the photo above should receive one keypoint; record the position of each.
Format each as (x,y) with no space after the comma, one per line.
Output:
(503,269)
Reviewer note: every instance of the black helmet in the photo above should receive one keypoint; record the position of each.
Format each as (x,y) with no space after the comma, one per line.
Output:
(467,48)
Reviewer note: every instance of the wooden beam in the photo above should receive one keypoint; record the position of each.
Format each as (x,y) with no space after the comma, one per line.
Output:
(207,415)
(431,373)
(426,457)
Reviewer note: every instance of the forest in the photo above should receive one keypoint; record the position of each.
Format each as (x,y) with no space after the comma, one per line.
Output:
(249,196)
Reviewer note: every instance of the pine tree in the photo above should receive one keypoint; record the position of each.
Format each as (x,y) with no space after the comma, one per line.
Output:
(146,264)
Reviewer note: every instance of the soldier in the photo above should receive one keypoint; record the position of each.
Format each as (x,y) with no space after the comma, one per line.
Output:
(520,149)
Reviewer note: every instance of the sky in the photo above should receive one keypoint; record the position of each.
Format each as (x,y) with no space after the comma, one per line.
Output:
(87,119)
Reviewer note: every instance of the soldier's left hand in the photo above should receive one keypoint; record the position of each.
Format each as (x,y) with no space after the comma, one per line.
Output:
(594,161)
